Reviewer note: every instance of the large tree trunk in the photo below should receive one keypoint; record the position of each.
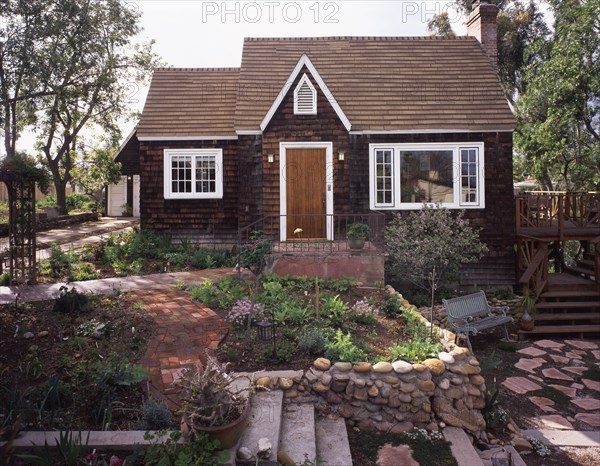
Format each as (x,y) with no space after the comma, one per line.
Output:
(61,194)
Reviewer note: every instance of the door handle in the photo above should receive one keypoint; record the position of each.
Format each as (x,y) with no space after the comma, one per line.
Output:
(324,199)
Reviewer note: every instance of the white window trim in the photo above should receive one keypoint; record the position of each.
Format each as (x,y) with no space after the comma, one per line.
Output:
(313,111)
(169,153)
(455,147)
(283,146)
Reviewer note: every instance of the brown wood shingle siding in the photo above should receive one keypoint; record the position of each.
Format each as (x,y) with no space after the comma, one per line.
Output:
(129,157)
(199,218)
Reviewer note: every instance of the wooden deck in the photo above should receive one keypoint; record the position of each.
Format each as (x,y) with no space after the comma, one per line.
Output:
(568,300)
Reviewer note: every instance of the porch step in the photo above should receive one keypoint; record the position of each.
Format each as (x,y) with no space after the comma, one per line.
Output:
(570,294)
(298,432)
(586,263)
(333,448)
(542,329)
(542,317)
(581,271)
(567,305)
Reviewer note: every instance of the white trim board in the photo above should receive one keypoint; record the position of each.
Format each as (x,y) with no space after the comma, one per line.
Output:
(305,61)
(428,131)
(187,138)
(283,146)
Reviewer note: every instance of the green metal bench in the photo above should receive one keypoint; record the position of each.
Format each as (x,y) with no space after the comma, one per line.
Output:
(463,311)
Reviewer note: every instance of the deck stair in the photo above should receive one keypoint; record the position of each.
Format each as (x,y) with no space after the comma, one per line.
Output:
(571,304)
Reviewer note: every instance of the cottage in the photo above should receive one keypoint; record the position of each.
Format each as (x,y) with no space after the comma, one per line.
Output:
(309,133)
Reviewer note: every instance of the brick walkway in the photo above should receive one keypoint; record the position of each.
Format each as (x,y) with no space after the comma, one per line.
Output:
(185,329)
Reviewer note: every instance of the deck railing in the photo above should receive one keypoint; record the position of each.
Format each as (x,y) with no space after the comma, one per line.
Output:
(557,210)
(532,263)
(314,233)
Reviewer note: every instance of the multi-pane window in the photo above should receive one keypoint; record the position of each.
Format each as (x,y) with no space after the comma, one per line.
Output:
(193,173)
(404,176)
(384,170)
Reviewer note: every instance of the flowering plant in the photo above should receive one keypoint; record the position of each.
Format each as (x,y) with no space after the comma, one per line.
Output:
(241,310)
(253,255)
(363,308)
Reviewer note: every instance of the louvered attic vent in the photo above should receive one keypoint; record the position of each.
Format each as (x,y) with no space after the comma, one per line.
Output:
(305,98)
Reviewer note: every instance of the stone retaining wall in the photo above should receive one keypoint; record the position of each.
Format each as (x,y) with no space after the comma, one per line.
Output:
(44,223)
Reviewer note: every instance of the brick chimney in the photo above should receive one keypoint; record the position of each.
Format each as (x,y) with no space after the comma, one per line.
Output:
(481,24)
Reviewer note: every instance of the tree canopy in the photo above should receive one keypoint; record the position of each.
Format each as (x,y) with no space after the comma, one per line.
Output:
(76,71)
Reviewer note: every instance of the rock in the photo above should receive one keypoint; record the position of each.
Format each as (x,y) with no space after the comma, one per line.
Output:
(33,348)
(360,382)
(446,358)
(284,459)
(455,393)
(402,367)
(436,367)
(343,366)
(444,384)
(333,398)
(361,394)
(43,333)
(468,369)
(477,379)
(325,379)
(285,383)
(322,364)
(244,454)
(338,386)
(345,411)
(373,391)
(427,386)
(99,331)
(263,381)
(362,367)
(419,367)
(311,377)
(28,335)
(264,448)
(291,394)
(442,425)
(459,353)
(385,391)
(402,427)
(521,444)
(407,388)
(383,367)
(320,388)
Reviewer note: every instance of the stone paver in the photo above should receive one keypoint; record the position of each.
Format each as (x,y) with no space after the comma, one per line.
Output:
(186,329)
(572,355)
(591,384)
(578,370)
(566,438)
(553,373)
(520,385)
(529,365)
(555,421)
(570,392)
(596,353)
(590,419)
(545,404)
(533,352)
(589,404)
(582,344)
(559,359)
(551,344)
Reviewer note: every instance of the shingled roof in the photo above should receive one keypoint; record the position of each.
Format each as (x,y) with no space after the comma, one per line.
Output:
(381,84)
(190,102)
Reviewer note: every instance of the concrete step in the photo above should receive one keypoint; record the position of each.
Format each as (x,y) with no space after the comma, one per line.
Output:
(298,432)
(461,447)
(333,448)
(264,422)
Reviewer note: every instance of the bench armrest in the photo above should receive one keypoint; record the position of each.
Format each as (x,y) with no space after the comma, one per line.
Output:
(503,310)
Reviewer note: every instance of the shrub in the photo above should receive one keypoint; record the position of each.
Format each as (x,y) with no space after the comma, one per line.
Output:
(60,261)
(79,202)
(82,271)
(283,352)
(72,301)
(335,310)
(341,348)
(390,306)
(4,279)
(415,350)
(203,258)
(253,255)
(155,415)
(203,293)
(341,285)
(241,310)
(312,340)
(364,313)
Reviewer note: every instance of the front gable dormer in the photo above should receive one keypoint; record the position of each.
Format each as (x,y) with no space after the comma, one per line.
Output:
(305,97)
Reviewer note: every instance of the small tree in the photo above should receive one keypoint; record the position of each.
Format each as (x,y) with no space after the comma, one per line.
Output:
(428,247)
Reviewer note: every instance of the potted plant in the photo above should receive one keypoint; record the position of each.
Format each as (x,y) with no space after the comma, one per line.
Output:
(127,210)
(214,402)
(357,233)
(526,310)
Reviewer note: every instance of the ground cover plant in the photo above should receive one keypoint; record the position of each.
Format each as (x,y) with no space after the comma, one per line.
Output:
(73,362)
(311,317)
(135,252)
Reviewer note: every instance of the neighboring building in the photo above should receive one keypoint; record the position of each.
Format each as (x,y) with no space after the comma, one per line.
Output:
(319,127)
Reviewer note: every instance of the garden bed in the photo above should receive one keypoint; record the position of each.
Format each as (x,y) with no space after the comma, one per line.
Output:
(72,365)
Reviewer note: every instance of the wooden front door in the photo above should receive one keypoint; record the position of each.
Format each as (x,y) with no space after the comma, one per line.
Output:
(306,193)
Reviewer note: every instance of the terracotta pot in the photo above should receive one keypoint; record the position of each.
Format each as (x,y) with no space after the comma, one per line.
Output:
(229,434)
(356,244)
(526,323)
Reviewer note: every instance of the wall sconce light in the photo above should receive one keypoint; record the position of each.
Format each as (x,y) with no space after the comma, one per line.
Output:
(341,156)
(270,158)
(129,178)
